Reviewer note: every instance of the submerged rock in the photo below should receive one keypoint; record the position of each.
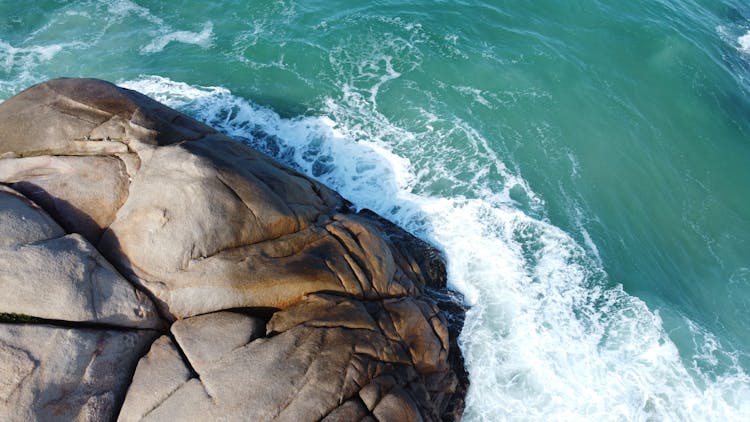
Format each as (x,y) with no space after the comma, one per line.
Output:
(273,300)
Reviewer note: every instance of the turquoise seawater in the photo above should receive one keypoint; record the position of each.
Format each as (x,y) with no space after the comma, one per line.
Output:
(585,165)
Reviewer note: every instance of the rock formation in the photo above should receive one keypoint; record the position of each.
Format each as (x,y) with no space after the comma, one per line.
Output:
(152,268)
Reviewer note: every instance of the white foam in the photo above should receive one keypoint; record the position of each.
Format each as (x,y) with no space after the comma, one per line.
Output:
(548,337)
(25,62)
(744,42)
(22,57)
(478,95)
(730,34)
(119,9)
(203,39)
(21,62)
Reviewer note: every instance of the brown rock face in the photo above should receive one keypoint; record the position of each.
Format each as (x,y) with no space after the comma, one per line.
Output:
(122,220)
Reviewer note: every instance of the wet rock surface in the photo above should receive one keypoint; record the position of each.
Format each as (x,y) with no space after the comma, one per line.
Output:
(167,272)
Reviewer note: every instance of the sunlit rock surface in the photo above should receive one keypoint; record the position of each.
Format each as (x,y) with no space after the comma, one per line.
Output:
(152,268)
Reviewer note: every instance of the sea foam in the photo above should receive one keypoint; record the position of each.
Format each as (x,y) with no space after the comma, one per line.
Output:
(203,39)
(24,57)
(548,336)
(23,61)
(744,42)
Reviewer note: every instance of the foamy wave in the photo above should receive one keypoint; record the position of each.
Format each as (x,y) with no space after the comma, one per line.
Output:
(547,336)
(21,62)
(13,58)
(731,35)
(121,8)
(203,39)
(744,42)
(28,62)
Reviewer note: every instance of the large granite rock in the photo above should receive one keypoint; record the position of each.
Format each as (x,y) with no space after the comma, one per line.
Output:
(48,274)
(60,373)
(121,219)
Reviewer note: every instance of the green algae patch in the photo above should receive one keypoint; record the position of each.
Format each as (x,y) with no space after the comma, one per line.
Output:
(11,317)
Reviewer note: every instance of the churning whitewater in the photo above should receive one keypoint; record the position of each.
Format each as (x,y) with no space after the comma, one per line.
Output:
(547,337)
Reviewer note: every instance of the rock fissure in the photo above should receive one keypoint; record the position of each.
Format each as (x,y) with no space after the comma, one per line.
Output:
(161,401)
(298,386)
(238,197)
(239,247)
(83,325)
(185,360)
(346,295)
(358,268)
(70,114)
(92,293)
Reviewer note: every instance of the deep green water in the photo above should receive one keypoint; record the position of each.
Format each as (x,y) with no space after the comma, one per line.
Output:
(584,164)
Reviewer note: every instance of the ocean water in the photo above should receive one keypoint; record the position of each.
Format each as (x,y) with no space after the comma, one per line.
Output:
(584,165)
